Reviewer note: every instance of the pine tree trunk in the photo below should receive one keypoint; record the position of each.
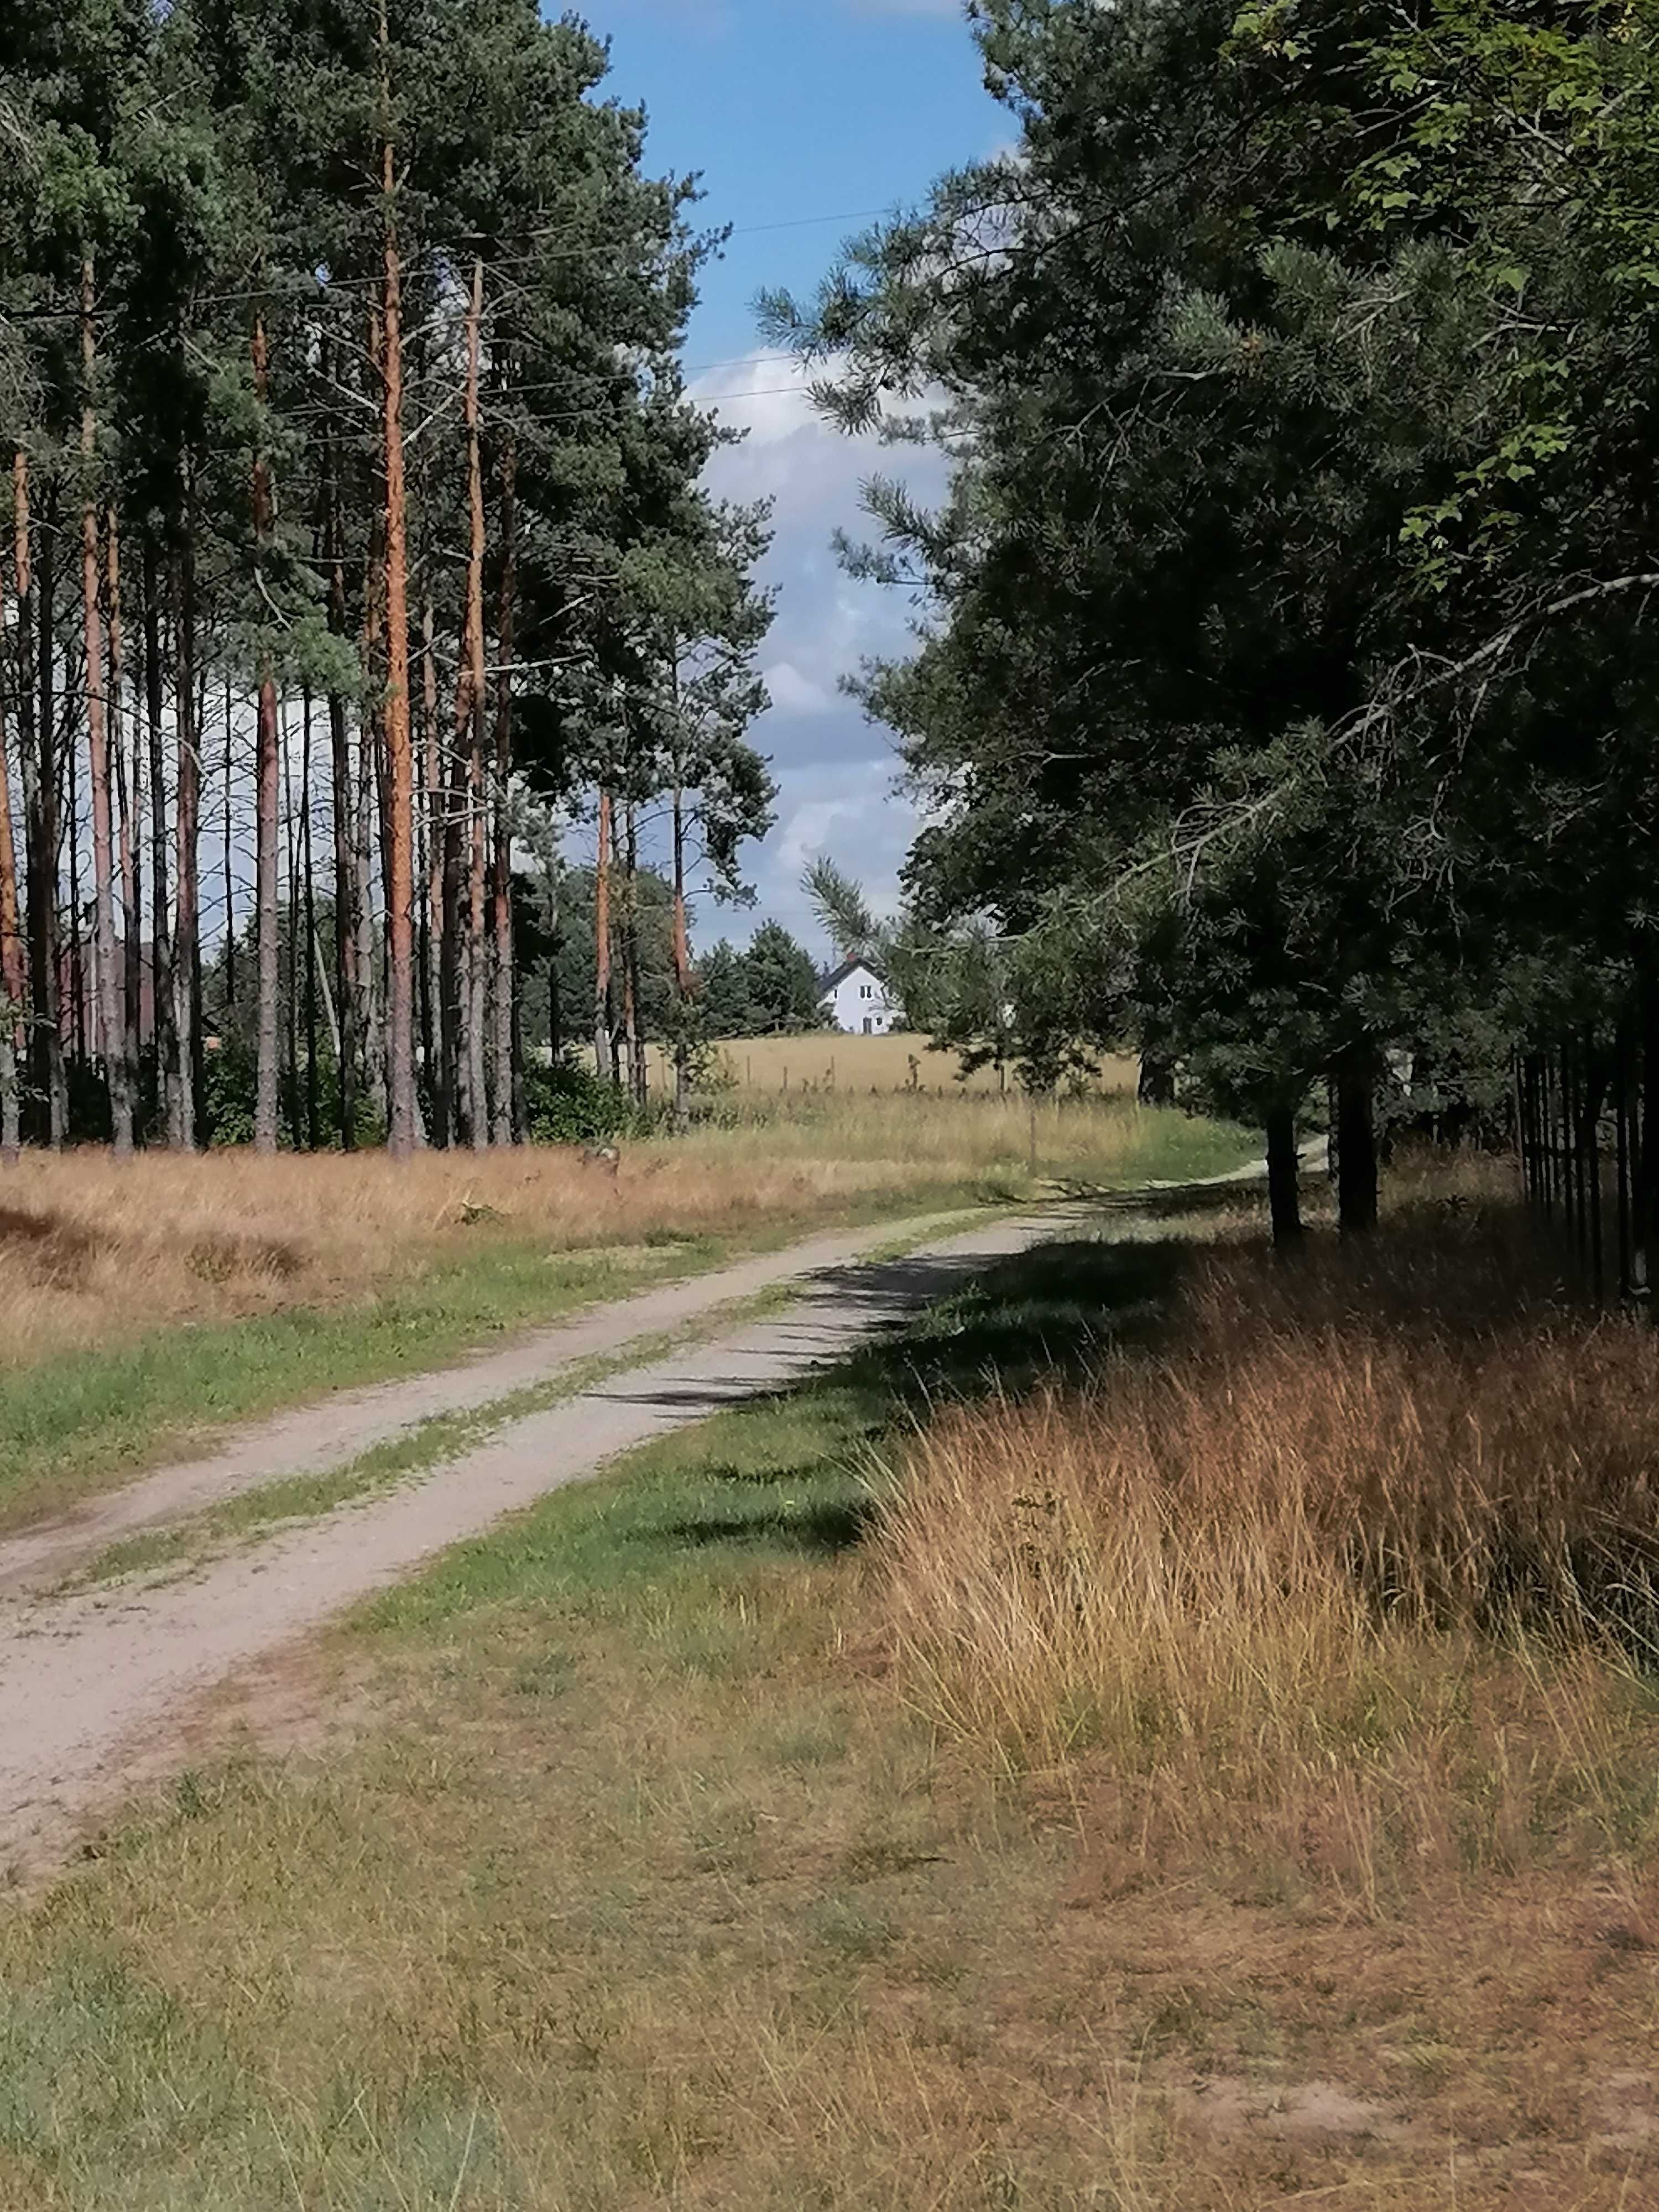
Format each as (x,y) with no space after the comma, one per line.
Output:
(1356,1142)
(129,817)
(684,980)
(1283,1177)
(370,782)
(110,1033)
(468,730)
(501,972)
(163,1047)
(313,1094)
(638,1077)
(345,903)
(29,758)
(12,981)
(50,1074)
(187,820)
(265,793)
(605,1056)
(228,844)
(400,962)
(432,815)
(291,1013)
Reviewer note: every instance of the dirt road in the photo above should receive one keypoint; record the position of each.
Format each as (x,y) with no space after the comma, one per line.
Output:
(93,1686)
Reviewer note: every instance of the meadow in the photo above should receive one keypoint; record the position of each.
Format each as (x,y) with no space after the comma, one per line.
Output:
(1174,1732)
(140,1304)
(833,1059)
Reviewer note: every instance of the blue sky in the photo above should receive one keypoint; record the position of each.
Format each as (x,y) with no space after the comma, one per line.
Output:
(801,118)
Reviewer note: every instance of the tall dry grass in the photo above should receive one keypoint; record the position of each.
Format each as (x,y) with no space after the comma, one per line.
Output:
(833,1059)
(1355,1526)
(90,1252)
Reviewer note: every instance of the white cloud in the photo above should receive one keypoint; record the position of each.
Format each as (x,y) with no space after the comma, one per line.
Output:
(836,772)
(792,693)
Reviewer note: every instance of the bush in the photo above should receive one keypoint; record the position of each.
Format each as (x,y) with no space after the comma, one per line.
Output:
(569,1104)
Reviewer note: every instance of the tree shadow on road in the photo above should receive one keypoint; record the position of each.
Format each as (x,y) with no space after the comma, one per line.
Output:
(799,1469)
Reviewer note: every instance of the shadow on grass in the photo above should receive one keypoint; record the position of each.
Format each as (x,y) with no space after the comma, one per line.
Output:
(798,1470)
(819,1529)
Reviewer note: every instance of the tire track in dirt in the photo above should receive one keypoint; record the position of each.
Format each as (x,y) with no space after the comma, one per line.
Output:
(97,1686)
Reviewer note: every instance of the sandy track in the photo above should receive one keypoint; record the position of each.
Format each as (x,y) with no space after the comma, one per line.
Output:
(95,1686)
(316,1438)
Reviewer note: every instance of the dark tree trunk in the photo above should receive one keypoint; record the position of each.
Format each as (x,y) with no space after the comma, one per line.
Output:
(12,979)
(129,822)
(684,978)
(1283,1177)
(313,1097)
(266,803)
(51,1076)
(182,1116)
(605,1053)
(1356,1142)
(502,1061)
(345,869)
(432,909)
(633,1012)
(1157,1084)
(163,1046)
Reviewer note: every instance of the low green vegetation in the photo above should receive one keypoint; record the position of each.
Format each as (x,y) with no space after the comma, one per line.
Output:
(646,1872)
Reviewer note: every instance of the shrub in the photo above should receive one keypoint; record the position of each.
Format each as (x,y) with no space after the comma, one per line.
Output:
(569,1104)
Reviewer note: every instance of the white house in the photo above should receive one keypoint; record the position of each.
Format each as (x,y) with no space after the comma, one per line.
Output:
(856,998)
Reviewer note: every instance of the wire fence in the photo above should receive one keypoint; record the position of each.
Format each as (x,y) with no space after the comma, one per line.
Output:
(1589,1144)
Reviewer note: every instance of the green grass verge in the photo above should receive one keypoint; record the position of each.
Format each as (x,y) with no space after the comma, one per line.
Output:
(626,1800)
(72,1423)
(78,1421)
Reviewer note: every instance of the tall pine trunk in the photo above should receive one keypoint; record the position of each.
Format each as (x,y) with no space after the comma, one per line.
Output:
(369,809)
(187,822)
(51,1075)
(1284,1176)
(469,731)
(604,1044)
(265,787)
(500,971)
(432,897)
(29,758)
(314,1095)
(633,1024)
(345,874)
(109,1028)
(128,816)
(12,981)
(163,1047)
(684,980)
(400,872)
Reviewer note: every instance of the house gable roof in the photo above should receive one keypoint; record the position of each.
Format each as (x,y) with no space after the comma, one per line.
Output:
(837,976)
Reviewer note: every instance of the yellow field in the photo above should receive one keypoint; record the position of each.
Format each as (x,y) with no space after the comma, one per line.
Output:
(830,1060)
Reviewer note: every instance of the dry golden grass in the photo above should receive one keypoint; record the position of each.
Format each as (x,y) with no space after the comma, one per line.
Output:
(833,1059)
(1366,1553)
(645,1882)
(91,1253)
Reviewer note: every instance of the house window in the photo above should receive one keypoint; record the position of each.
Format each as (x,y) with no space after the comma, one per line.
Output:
(866,991)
